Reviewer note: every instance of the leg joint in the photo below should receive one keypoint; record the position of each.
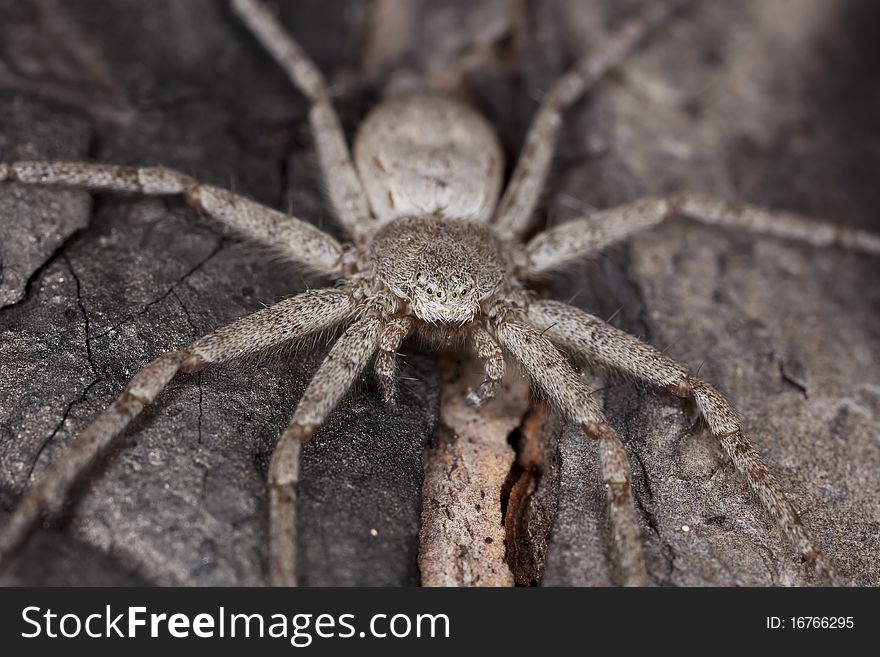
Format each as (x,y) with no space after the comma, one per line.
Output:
(193,364)
(681,388)
(192,196)
(599,431)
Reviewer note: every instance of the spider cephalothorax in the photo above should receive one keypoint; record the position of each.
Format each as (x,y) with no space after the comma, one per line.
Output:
(431,251)
(445,270)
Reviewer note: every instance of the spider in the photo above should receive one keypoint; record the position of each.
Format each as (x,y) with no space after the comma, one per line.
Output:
(432,251)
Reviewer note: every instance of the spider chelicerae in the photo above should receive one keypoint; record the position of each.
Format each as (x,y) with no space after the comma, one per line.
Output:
(433,252)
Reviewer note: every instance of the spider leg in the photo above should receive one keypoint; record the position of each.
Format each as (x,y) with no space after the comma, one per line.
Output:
(341,367)
(343,184)
(556,378)
(518,203)
(295,239)
(394,333)
(488,351)
(556,247)
(609,347)
(290,319)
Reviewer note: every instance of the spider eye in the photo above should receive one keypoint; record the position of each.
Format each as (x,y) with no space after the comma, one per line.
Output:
(430,290)
(464,291)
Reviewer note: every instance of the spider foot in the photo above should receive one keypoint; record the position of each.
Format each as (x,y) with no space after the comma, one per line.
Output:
(478,396)
(389,389)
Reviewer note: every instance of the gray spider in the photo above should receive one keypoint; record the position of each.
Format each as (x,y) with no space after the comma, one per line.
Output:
(432,251)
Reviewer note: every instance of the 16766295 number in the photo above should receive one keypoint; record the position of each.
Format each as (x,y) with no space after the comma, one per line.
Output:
(811,622)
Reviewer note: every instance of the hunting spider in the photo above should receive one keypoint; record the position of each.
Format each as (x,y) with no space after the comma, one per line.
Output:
(432,251)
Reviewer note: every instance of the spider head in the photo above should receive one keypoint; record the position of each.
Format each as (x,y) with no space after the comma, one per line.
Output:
(443,294)
(444,269)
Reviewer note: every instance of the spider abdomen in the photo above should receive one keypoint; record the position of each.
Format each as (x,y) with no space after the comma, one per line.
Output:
(428,154)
